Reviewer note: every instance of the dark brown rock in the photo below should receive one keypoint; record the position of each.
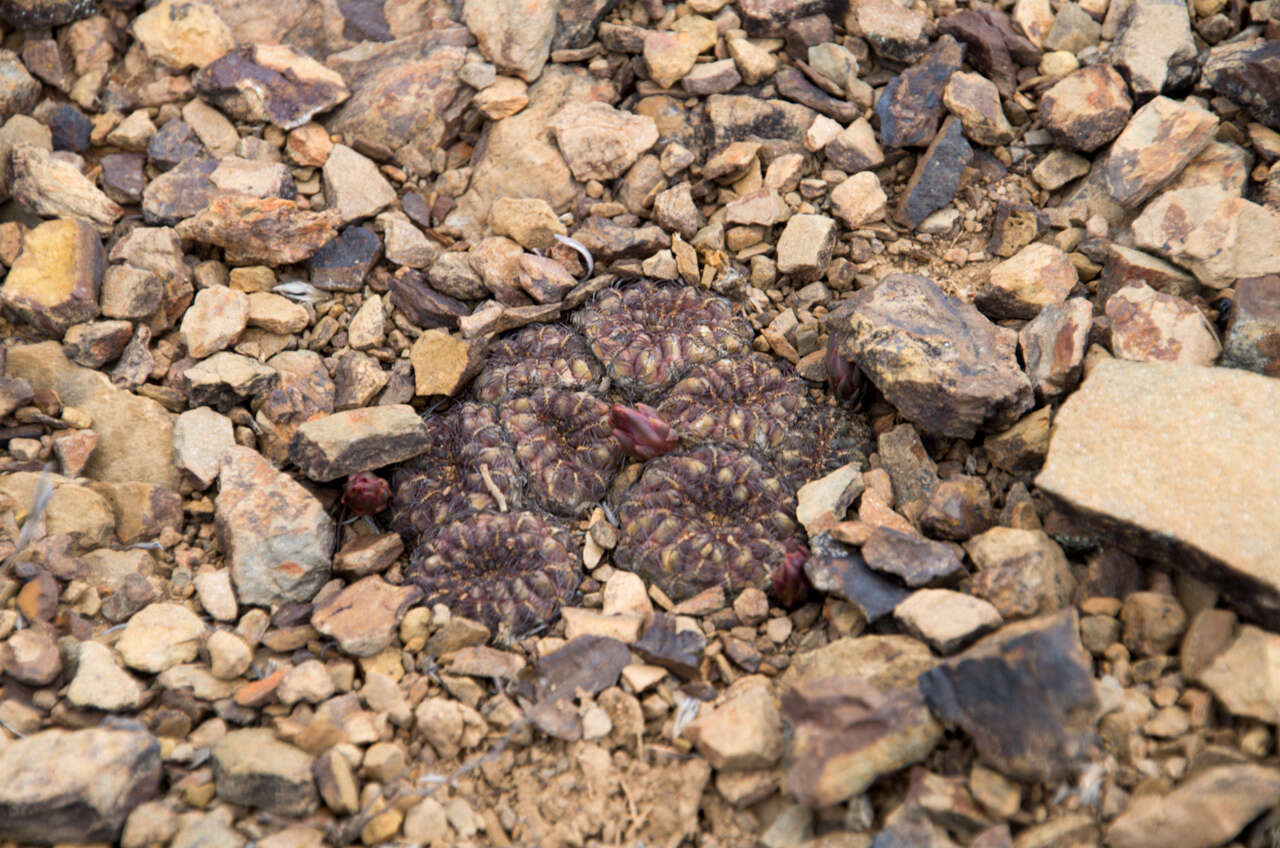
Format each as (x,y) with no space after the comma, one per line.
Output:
(936,358)
(608,241)
(958,509)
(343,263)
(793,86)
(911,105)
(843,573)
(1025,694)
(1249,73)
(911,470)
(770,17)
(985,47)
(937,175)
(270,83)
(676,649)
(179,193)
(1253,331)
(122,177)
(1086,109)
(425,306)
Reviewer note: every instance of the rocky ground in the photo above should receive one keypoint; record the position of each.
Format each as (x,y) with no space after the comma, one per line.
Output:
(247,243)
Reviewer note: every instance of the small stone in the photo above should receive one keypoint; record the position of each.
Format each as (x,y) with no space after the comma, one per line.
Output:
(1159,140)
(75,786)
(515,35)
(1208,809)
(744,732)
(948,621)
(1073,30)
(404,243)
(711,78)
(133,132)
(916,561)
(276,314)
(753,62)
(893,32)
(859,200)
(1241,674)
(1087,109)
(1150,326)
(848,733)
(1253,332)
(200,438)
(822,502)
(1245,71)
(54,282)
(151,823)
(122,177)
(229,655)
(101,684)
(975,100)
(183,34)
(600,142)
(1059,168)
(215,320)
(270,83)
(905,318)
(308,682)
(1037,276)
(531,222)
(254,769)
(21,91)
(334,446)
(261,230)
(1212,233)
(215,132)
(668,56)
(160,636)
(1022,447)
(665,642)
(343,263)
(958,509)
(504,98)
(1053,345)
(276,535)
(52,188)
(96,343)
(31,657)
(363,617)
(1023,573)
(1153,623)
(937,175)
(368,554)
(354,186)
(225,378)
(624,594)
(1025,694)
(911,105)
(804,248)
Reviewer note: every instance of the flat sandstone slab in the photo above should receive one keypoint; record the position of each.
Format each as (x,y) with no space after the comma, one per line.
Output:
(1180,463)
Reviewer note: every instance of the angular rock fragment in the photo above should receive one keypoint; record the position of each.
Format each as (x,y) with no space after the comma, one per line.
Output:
(1053,345)
(946,620)
(270,83)
(225,378)
(276,535)
(937,175)
(911,105)
(363,617)
(600,142)
(261,230)
(1159,140)
(1153,47)
(916,561)
(936,358)
(343,263)
(1207,809)
(1242,674)
(354,186)
(1038,276)
(1253,332)
(975,100)
(54,281)
(254,769)
(515,35)
(1216,235)
(1150,326)
(52,188)
(1131,458)
(744,732)
(848,733)
(336,445)
(1025,694)
(75,785)
(1124,265)
(1249,73)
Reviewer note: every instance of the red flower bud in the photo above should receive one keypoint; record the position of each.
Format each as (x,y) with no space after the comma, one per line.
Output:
(365,493)
(846,379)
(790,585)
(640,431)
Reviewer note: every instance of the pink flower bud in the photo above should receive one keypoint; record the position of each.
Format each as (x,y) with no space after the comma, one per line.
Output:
(846,379)
(640,431)
(366,493)
(789,584)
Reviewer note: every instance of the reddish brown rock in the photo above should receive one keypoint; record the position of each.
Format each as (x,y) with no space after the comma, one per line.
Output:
(1086,109)
(1149,326)
(261,230)
(1253,332)
(1249,73)
(1053,345)
(1217,235)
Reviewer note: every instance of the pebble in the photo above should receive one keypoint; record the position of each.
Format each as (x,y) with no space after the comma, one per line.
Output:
(363,617)
(101,684)
(354,186)
(742,732)
(160,636)
(254,769)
